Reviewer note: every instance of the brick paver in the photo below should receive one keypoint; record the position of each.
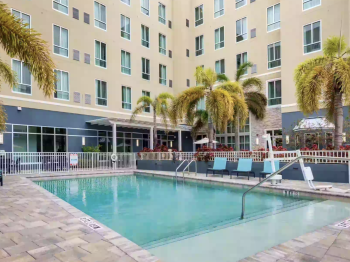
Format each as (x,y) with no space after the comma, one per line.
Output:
(37,226)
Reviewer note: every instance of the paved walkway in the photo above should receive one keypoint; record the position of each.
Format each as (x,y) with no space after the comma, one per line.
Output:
(37,226)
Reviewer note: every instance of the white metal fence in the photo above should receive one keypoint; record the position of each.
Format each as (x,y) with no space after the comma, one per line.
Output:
(257,156)
(37,163)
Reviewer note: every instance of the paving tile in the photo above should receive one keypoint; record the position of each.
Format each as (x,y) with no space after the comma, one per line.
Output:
(3,254)
(342,243)
(73,227)
(5,242)
(71,234)
(313,251)
(71,255)
(344,235)
(92,238)
(51,259)
(6,229)
(97,247)
(48,241)
(69,244)
(45,252)
(339,252)
(298,257)
(116,251)
(124,259)
(326,242)
(101,256)
(20,248)
(328,258)
(24,257)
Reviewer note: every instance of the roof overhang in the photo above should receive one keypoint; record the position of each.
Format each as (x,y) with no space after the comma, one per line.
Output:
(314,123)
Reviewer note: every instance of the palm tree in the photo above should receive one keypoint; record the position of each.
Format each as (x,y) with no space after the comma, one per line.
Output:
(26,45)
(254,98)
(222,103)
(160,108)
(326,78)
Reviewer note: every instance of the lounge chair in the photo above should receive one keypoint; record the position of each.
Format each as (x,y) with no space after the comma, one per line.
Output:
(268,170)
(219,165)
(244,166)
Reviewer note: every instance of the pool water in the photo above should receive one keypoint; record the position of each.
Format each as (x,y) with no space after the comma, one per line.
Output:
(153,211)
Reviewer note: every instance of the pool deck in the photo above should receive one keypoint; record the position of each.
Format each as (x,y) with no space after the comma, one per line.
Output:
(35,225)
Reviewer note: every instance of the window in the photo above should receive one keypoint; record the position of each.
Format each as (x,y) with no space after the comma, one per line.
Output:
(162,74)
(241,59)
(162,44)
(60,41)
(220,66)
(126,63)
(188,83)
(148,108)
(312,37)
(202,66)
(125,27)
(274,55)
(199,15)
(24,77)
(199,45)
(126,2)
(241,30)
(244,142)
(201,104)
(245,128)
(311,140)
(187,52)
(187,23)
(145,6)
(274,93)
(240,3)
(126,97)
(161,13)
(219,38)
(101,93)
(100,54)
(276,137)
(61,5)
(308,4)
(23,17)
(145,36)
(100,16)
(273,18)
(219,8)
(146,69)
(62,85)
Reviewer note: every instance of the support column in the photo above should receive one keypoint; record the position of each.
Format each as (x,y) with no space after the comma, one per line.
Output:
(151,137)
(180,140)
(114,138)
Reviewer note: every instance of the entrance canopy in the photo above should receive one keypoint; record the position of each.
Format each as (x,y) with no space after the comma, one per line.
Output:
(314,124)
(204,141)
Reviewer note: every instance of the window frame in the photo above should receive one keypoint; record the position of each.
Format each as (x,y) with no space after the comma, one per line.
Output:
(143,66)
(221,73)
(221,10)
(245,1)
(59,3)
(274,22)
(121,65)
(202,18)
(165,41)
(159,17)
(21,14)
(100,54)
(241,54)
(148,107)
(142,40)
(53,40)
(162,81)
(302,5)
(274,52)
(106,99)
(267,92)
(20,82)
(312,23)
(245,34)
(61,86)
(121,30)
(123,1)
(202,47)
(220,42)
(126,102)
(142,8)
(97,19)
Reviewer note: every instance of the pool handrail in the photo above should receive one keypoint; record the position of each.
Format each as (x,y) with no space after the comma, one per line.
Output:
(284,168)
(188,166)
(180,166)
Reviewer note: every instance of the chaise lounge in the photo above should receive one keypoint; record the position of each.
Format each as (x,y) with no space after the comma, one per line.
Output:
(244,166)
(219,165)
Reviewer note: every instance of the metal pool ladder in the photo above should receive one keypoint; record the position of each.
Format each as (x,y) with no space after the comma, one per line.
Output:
(179,167)
(188,168)
(299,158)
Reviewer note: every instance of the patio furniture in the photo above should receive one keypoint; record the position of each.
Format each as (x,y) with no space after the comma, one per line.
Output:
(244,166)
(219,165)
(268,170)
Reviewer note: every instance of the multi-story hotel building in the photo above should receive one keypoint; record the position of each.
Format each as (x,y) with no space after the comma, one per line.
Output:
(108,53)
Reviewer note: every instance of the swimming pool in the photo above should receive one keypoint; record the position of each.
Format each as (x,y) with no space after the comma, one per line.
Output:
(158,213)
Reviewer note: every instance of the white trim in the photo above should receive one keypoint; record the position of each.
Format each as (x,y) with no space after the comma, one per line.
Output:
(100,53)
(267,18)
(99,20)
(269,73)
(164,12)
(149,39)
(274,50)
(149,8)
(59,10)
(125,31)
(242,30)
(267,92)
(195,45)
(53,40)
(100,97)
(121,66)
(149,74)
(69,96)
(30,17)
(289,105)
(302,6)
(303,37)
(150,108)
(242,60)
(219,10)
(125,3)
(195,15)
(130,98)
(160,34)
(246,3)
(31,79)
(219,38)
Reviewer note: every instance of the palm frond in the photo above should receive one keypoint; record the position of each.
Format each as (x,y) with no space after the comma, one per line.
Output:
(334,46)
(232,87)
(222,78)
(145,100)
(305,67)
(29,47)
(252,82)
(205,77)
(165,96)
(241,71)
(256,103)
(240,107)
(7,74)
(342,77)
(138,110)
(200,122)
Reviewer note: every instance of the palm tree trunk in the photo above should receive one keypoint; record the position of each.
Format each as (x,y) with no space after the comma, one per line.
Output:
(154,128)
(237,148)
(210,132)
(338,120)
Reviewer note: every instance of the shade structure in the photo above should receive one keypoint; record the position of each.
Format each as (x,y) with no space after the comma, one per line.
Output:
(204,141)
(313,123)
